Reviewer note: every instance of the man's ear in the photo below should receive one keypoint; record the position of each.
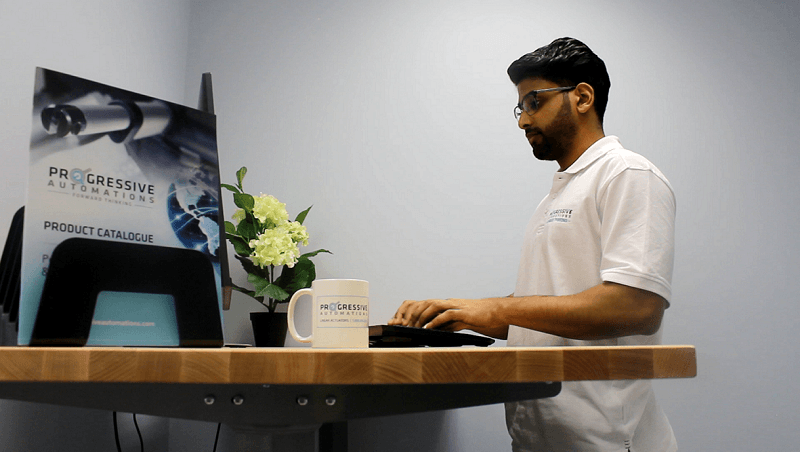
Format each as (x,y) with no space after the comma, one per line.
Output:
(585,94)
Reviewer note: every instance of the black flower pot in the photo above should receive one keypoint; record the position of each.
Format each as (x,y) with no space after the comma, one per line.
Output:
(269,328)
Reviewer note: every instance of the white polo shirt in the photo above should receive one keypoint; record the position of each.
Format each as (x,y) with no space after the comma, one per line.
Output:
(610,216)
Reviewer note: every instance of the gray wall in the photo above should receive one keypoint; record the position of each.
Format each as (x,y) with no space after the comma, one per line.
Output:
(138,45)
(394,120)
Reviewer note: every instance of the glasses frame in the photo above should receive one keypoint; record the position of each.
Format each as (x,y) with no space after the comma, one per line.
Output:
(518,109)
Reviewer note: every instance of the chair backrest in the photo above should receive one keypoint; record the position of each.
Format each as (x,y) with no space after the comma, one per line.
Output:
(10,267)
(80,269)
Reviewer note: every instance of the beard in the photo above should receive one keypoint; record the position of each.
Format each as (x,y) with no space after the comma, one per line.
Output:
(556,139)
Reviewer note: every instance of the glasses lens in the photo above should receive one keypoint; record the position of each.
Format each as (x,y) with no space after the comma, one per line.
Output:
(529,103)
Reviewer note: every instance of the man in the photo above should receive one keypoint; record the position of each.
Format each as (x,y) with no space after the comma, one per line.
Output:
(596,264)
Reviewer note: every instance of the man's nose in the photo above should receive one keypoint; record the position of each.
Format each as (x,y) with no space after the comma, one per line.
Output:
(524,120)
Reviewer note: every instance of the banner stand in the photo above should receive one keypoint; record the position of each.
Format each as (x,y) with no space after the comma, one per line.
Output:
(122,243)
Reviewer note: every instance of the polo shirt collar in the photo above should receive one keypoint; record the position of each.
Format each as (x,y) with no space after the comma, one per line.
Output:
(595,151)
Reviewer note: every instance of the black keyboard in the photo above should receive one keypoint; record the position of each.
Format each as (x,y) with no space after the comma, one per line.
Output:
(381,336)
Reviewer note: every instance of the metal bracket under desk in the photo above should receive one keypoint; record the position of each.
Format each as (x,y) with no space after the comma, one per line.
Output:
(273,405)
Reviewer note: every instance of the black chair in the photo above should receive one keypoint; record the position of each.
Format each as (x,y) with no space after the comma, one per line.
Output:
(80,269)
(10,267)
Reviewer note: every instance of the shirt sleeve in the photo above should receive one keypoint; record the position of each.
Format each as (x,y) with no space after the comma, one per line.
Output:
(637,210)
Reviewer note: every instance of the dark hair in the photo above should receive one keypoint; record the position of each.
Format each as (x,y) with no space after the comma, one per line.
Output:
(566,61)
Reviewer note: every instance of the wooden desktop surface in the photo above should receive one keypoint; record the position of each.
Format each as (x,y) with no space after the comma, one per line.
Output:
(305,366)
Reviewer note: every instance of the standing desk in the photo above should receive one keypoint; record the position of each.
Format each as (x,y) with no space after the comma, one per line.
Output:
(258,391)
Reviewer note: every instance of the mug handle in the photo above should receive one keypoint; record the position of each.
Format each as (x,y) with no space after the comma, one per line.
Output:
(290,315)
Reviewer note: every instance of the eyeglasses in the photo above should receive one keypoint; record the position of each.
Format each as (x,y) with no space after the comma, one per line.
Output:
(530,103)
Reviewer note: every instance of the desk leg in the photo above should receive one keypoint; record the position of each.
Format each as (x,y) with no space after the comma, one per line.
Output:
(268,439)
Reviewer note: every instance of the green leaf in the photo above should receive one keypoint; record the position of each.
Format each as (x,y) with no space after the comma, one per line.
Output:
(230,228)
(301,217)
(298,277)
(306,274)
(240,176)
(243,290)
(244,201)
(314,253)
(265,289)
(259,282)
(247,230)
(230,188)
(275,292)
(250,267)
(241,246)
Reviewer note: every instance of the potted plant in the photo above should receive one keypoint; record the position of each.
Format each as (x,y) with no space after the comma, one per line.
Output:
(266,243)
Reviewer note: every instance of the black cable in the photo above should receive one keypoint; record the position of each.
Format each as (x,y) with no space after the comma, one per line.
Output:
(138,432)
(116,432)
(217,438)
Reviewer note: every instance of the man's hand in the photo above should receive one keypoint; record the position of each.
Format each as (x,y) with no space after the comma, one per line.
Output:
(453,315)
(605,311)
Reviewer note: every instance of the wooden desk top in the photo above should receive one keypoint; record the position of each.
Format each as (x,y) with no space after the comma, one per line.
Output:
(344,367)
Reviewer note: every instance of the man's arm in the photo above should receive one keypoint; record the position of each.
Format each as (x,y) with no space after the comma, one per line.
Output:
(605,311)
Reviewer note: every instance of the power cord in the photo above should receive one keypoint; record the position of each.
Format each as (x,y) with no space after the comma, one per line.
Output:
(139,432)
(116,432)
(216,439)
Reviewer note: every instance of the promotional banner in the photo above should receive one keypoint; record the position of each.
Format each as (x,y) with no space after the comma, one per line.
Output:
(109,165)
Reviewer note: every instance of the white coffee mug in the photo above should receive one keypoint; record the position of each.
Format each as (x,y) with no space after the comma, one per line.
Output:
(340,313)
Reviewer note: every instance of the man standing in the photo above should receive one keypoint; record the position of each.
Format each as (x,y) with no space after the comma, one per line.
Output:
(596,264)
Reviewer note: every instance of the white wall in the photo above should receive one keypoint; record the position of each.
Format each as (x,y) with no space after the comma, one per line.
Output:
(140,46)
(137,45)
(395,120)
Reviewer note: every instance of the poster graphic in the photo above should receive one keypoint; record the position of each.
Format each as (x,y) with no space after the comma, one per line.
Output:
(112,165)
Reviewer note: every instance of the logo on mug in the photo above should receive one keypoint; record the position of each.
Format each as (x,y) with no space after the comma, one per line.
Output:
(343,308)
(344,311)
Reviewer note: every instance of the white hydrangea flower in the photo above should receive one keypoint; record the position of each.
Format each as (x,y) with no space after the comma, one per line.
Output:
(279,245)
(268,209)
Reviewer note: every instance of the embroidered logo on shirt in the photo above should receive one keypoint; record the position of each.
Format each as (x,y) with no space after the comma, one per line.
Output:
(559,216)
